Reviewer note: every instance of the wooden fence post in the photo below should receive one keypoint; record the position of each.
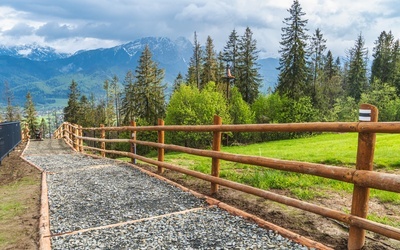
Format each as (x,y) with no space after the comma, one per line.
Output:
(75,130)
(103,144)
(80,133)
(71,139)
(64,135)
(133,145)
(365,160)
(216,146)
(160,150)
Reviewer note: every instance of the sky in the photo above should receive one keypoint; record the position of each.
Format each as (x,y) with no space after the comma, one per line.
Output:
(72,25)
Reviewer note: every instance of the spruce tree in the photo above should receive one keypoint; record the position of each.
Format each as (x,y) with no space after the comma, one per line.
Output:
(116,94)
(194,70)
(231,51)
(384,63)
(317,50)
(128,103)
(30,113)
(293,75)
(177,82)
(248,80)
(71,111)
(109,104)
(357,81)
(210,70)
(331,82)
(9,97)
(149,90)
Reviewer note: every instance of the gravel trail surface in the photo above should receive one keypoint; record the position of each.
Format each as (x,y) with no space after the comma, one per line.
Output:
(105,204)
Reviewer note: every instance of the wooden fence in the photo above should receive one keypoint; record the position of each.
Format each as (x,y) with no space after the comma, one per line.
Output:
(362,177)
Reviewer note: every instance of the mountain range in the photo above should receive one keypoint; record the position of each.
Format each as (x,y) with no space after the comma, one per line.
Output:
(47,74)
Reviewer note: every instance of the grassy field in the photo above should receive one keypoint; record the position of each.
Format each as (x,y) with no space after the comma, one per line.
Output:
(337,149)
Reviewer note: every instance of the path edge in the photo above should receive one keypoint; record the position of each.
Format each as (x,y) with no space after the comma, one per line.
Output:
(230,209)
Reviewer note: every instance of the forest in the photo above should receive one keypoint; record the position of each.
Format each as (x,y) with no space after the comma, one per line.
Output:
(313,85)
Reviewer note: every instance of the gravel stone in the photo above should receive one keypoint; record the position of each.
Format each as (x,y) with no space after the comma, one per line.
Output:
(87,193)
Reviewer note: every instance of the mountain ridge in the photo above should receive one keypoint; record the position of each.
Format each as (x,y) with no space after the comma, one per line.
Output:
(48,76)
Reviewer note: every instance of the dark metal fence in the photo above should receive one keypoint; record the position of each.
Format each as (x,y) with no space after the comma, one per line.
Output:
(10,137)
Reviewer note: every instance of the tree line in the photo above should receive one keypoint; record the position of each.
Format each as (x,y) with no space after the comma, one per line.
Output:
(313,85)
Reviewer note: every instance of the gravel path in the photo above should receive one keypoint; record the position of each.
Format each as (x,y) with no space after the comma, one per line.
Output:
(104,204)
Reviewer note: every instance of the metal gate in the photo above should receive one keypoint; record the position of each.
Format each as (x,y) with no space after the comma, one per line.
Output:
(10,137)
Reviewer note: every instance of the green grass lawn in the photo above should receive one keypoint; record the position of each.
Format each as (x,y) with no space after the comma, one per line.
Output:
(337,149)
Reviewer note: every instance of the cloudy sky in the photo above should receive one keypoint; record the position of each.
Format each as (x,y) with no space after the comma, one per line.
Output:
(71,25)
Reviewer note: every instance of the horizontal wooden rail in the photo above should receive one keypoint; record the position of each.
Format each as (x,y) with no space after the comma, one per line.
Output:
(382,229)
(370,127)
(377,180)
(362,177)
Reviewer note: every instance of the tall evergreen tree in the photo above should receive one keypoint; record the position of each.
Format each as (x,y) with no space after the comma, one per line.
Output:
(30,113)
(109,104)
(194,70)
(331,82)
(9,97)
(293,75)
(116,98)
(149,90)
(71,111)
(357,81)
(317,50)
(396,65)
(248,79)
(128,102)
(231,51)
(210,70)
(177,82)
(384,63)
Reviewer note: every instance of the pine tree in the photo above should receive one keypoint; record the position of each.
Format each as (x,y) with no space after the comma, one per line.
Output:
(30,113)
(331,83)
(109,104)
(293,75)
(149,90)
(116,94)
(357,81)
(384,64)
(177,82)
(209,73)
(71,111)
(396,65)
(231,51)
(317,49)
(248,80)
(128,105)
(194,70)
(9,97)
(43,126)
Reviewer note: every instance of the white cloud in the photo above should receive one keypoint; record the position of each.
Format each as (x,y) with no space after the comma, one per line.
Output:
(82,24)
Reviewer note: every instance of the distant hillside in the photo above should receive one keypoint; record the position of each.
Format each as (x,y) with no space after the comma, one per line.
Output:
(47,74)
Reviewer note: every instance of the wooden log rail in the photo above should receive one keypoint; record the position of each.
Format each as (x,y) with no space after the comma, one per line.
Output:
(363,177)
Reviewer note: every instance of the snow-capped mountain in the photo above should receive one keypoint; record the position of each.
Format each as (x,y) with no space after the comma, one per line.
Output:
(33,52)
(48,74)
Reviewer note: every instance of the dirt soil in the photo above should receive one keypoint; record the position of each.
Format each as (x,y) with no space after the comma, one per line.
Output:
(326,231)
(19,202)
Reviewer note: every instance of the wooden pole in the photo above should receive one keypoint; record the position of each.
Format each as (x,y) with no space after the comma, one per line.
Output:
(160,150)
(103,144)
(75,138)
(64,131)
(133,145)
(216,147)
(365,160)
(80,140)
